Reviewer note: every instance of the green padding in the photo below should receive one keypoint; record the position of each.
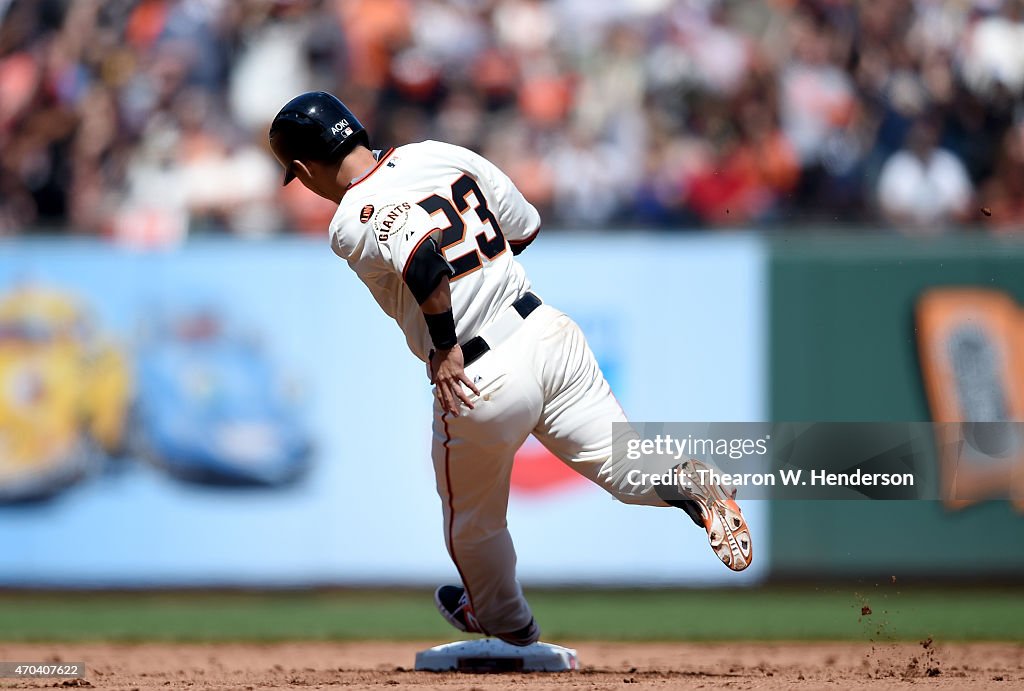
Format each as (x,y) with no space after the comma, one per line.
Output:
(842,347)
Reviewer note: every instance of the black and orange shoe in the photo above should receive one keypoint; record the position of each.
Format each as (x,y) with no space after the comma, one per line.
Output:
(719,514)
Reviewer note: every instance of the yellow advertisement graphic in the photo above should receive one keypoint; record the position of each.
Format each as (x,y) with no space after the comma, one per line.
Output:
(64,394)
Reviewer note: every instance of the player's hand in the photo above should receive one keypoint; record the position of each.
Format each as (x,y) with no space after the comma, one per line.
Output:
(448,374)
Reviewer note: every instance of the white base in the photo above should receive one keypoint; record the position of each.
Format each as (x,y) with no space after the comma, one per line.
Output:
(494,655)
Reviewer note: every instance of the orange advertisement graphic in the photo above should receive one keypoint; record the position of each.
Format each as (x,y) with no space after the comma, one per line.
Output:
(971,342)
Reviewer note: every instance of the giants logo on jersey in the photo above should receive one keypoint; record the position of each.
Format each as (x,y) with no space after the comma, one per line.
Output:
(391,219)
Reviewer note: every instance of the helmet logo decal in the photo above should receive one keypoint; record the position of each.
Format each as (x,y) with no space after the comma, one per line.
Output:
(341,127)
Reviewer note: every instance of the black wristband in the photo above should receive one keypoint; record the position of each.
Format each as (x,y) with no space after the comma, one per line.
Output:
(442,330)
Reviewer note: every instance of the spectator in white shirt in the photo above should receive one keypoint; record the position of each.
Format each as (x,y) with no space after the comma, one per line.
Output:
(923,188)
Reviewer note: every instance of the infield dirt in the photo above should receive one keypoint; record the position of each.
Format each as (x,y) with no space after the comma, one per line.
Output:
(634,666)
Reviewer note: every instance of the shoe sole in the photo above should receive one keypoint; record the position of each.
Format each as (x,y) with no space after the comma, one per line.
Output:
(728,533)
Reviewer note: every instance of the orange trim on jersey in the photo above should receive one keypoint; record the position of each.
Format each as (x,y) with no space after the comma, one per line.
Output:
(450,226)
(527,240)
(408,261)
(451,515)
(372,170)
(471,271)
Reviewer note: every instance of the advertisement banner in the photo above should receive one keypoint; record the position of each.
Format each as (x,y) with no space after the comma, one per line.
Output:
(244,414)
(890,329)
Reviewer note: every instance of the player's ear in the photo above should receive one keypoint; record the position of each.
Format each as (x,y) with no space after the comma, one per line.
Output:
(301,171)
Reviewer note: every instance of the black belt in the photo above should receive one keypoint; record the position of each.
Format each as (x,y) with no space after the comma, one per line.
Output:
(477,346)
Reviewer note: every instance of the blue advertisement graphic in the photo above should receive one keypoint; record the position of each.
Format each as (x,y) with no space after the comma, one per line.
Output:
(211,406)
(278,431)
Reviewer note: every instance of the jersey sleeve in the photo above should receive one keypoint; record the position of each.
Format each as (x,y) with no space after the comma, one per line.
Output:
(519,219)
(409,242)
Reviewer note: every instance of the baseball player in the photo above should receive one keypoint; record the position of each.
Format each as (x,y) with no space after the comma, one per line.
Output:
(432,230)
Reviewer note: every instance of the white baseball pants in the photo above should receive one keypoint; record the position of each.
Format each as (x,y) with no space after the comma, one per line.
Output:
(542,379)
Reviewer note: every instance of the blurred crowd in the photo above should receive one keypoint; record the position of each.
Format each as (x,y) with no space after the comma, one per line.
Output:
(146,120)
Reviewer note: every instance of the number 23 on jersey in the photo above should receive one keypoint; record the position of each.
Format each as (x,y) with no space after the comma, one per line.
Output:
(485,236)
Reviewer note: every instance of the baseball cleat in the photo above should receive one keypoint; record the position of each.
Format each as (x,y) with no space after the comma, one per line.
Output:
(720,515)
(453,604)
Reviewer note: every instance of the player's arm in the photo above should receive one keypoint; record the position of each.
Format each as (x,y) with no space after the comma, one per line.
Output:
(411,244)
(447,366)
(519,219)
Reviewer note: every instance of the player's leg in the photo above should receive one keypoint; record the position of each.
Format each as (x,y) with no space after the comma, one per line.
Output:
(579,409)
(576,425)
(473,456)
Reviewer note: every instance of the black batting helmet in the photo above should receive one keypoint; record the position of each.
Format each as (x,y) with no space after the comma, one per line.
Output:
(315,126)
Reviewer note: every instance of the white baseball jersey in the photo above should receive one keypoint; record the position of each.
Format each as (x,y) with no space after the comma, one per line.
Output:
(445,193)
